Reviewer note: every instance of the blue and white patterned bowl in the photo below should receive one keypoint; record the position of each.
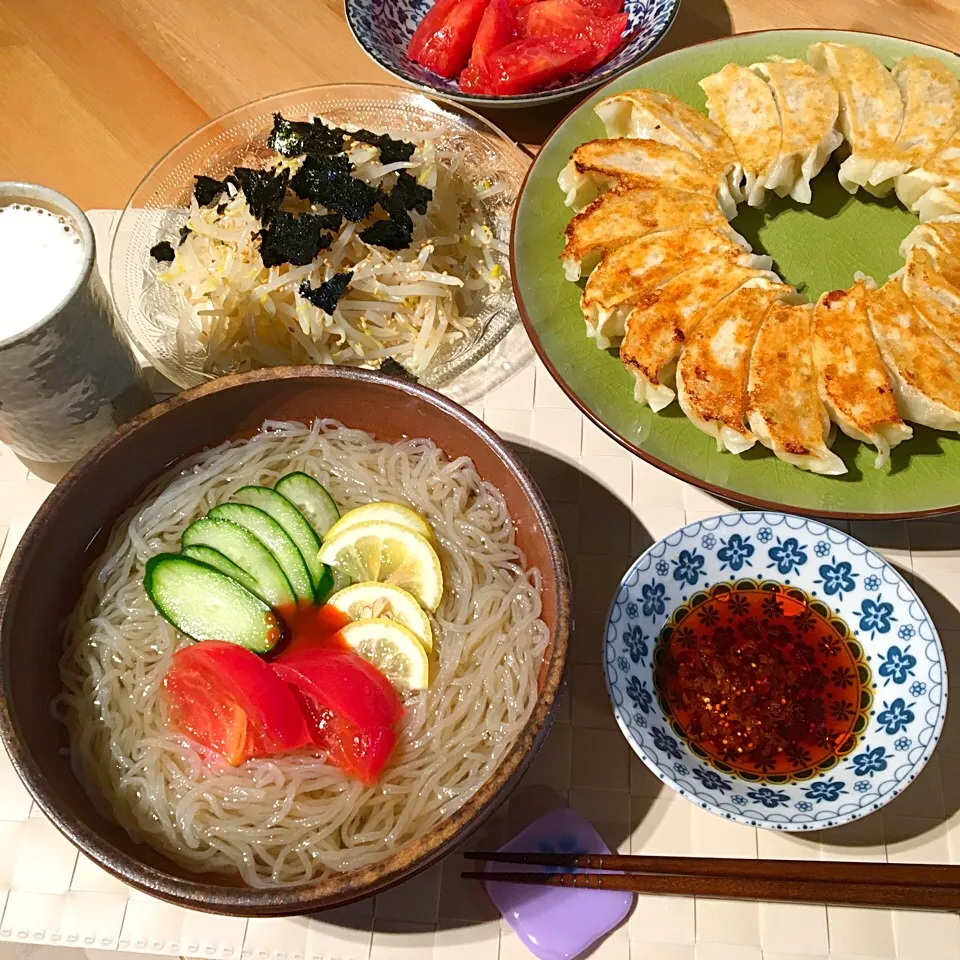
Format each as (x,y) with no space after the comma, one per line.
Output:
(899,648)
(383,29)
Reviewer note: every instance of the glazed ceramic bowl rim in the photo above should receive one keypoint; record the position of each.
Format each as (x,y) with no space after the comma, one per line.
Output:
(194,890)
(731,521)
(14,190)
(520,99)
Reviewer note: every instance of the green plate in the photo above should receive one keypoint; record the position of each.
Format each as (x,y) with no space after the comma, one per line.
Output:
(816,248)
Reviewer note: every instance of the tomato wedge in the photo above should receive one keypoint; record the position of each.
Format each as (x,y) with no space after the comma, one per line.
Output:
(429,25)
(606,35)
(497,28)
(536,62)
(553,18)
(230,701)
(447,50)
(603,8)
(351,707)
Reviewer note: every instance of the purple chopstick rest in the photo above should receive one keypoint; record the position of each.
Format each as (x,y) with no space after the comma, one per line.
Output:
(557,923)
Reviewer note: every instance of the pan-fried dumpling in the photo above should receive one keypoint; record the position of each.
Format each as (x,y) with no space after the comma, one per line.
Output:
(740,102)
(808,106)
(940,170)
(851,376)
(663,319)
(621,215)
(938,202)
(714,365)
(941,239)
(784,409)
(937,300)
(871,109)
(631,270)
(655,115)
(600,164)
(931,114)
(924,369)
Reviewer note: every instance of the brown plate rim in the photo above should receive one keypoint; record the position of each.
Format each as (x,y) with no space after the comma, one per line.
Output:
(411,857)
(721,492)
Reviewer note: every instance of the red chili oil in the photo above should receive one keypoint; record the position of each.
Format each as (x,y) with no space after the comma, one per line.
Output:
(307,626)
(761,681)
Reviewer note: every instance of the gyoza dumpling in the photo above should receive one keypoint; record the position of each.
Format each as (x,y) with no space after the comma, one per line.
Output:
(628,272)
(925,282)
(663,320)
(924,369)
(621,215)
(852,379)
(655,115)
(808,106)
(940,170)
(938,202)
(713,369)
(784,409)
(941,239)
(871,109)
(740,102)
(931,114)
(600,164)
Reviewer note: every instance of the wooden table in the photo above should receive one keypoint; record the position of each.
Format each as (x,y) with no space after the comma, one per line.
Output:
(93,92)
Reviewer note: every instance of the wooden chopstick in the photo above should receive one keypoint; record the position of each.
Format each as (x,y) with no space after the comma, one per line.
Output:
(793,871)
(904,896)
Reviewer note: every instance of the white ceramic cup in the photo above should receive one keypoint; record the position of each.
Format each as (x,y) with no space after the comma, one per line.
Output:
(70,378)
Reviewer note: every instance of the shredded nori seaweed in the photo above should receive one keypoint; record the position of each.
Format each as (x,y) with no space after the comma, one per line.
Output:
(207,189)
(392,368)
(391,151)
(328,294)
(294,240)
(185,232)
(408,194)
(328,181)
(162,252)
(396,233)
(264,190)
(294,137)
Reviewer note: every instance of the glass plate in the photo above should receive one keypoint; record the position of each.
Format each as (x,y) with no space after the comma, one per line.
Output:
(150,310)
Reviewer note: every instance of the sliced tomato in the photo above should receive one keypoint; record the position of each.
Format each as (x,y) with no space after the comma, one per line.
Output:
(447,50)
(351,707)
(606,35)
(230,701)
(429,25)
(497,28)
(553,18)
(603,8)
(534,63)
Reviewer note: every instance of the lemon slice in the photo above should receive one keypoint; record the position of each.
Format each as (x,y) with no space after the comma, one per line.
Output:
(382,510)
(387,553)
(392,648)
(366,600)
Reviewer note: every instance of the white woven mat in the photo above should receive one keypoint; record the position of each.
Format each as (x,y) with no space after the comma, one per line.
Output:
(609,506)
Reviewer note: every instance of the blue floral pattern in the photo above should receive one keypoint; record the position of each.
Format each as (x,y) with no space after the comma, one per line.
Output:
(876,615)
(636,644)
(870,762)
(837,578)
(825,790)
(899,644)
(688,567)
(897,665)
(787,556)
(896,716)
(735,552)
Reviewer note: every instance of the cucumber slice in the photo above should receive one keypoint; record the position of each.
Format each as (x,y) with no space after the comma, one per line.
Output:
(242,548)
(208,605)
(273,537)
(311,499)
(294,525)
(214,558)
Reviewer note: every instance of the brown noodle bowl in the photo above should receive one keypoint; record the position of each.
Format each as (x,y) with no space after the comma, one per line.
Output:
(292,819)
